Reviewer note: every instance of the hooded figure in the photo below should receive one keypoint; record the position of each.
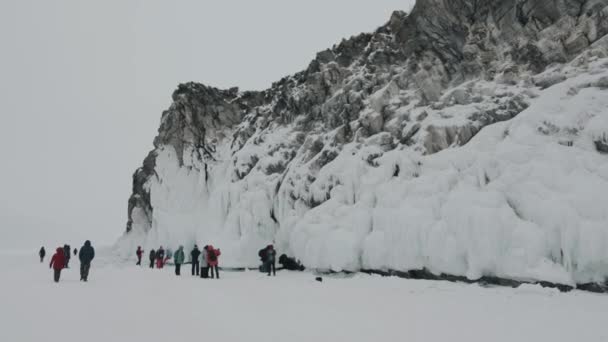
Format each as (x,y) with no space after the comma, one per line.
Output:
(178,258)
(204,264)
(212,259)
(152,258)
(67,255)
(57,263)
(262,255)
(139,254)
(270,257)
(194,257)
(86,255)
(42,253)
(160,257)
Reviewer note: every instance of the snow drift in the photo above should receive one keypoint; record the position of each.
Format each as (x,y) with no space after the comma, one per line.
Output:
(466,138)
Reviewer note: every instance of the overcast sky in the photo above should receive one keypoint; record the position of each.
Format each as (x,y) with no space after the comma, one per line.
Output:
(83,85)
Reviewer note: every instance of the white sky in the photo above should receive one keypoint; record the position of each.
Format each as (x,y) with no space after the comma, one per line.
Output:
(83,85)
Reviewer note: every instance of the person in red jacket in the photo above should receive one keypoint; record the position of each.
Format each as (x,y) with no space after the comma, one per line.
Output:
(139,253)
(212,259)
(57,263)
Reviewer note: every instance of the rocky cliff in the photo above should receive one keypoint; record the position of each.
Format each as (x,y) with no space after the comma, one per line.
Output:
(466,137)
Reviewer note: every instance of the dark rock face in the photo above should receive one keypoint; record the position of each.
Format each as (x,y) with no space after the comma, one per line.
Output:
(141,196)
(424,81)
(199,116)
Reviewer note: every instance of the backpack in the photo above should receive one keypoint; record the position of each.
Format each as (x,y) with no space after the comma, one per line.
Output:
(211,255)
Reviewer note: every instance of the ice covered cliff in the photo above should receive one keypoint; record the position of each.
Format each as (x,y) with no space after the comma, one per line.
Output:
(467,137)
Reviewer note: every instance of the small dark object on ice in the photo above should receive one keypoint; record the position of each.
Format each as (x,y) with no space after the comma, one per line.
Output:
(319,279)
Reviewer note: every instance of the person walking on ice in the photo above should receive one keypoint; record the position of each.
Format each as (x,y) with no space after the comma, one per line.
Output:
(42,253)
(194,255)
(57,263)
(160,257)
(179,257)
(212,259)
(152,258)
(271,255)
(67,255)
(139,254)
(168,255)
(204,264)
(86,255)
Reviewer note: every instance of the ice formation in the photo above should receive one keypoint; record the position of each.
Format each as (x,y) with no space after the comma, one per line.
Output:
(460,139)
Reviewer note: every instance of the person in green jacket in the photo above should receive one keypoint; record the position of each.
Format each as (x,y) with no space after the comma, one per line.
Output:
(178,258)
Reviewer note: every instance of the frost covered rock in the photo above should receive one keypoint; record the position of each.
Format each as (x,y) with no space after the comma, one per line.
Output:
(435,142)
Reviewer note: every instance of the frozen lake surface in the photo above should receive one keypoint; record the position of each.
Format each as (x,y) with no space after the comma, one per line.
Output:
(128,303)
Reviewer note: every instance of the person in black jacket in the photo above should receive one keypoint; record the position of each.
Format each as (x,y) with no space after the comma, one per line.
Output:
(66,253)
(194,255)
(152,257)
(86,255)
(42,253)
(270,257)
(262,255)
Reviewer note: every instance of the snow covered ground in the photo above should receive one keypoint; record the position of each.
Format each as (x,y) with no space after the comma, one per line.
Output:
(126,303)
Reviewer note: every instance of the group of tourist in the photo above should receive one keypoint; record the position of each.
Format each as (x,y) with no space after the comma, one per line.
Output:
(61,259)
(204,262)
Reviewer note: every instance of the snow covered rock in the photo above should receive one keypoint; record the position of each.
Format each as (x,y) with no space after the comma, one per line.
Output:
(464,138)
